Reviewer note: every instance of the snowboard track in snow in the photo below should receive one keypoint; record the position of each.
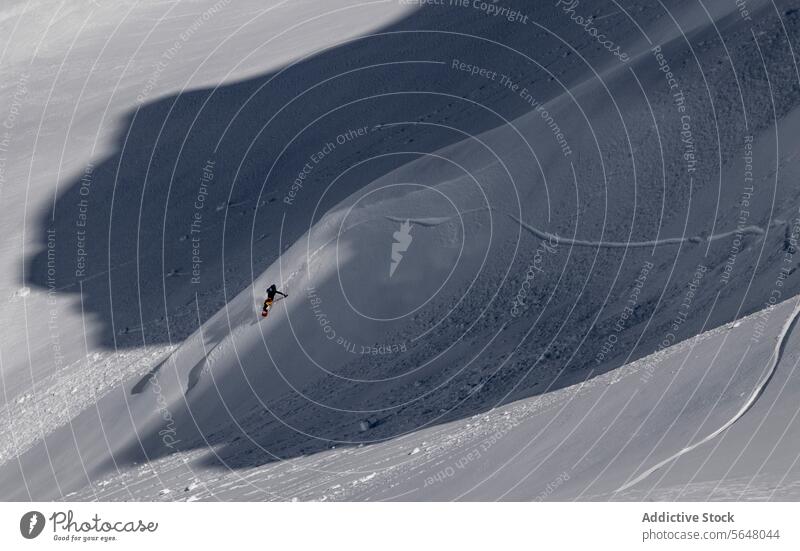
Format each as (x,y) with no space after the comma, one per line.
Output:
(776,357)
(744,230)
(541,234)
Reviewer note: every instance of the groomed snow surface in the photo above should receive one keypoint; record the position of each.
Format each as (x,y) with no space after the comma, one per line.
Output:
(523,262)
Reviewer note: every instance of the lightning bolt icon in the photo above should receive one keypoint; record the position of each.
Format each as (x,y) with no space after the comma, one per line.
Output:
(402,240)
(32,523)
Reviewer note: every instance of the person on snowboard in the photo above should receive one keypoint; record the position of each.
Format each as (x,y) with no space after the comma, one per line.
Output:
(272,290)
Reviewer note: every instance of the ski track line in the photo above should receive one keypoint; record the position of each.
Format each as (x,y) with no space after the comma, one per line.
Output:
(776,358)
(436,220)
(626,244)
(744,230)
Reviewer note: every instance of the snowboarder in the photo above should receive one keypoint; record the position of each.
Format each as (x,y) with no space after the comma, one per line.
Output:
(272,290)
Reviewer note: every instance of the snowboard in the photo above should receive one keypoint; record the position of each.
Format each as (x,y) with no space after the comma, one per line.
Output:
(268,305)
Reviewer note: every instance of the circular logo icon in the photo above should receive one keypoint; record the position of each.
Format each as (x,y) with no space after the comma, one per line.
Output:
(31,524)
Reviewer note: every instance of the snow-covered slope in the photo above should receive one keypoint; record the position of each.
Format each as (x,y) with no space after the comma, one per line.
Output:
(451,242)
(646,431)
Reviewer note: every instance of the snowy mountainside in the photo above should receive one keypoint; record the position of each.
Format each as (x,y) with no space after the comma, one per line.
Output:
(584,441)
(469,243)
